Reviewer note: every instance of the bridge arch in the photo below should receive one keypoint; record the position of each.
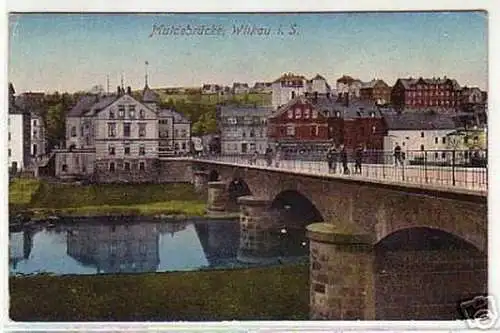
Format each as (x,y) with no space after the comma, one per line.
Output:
(295,209)
(213,176)
(426,272)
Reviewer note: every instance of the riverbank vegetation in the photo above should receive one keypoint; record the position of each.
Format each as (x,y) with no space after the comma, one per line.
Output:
(41,199)
(273,293)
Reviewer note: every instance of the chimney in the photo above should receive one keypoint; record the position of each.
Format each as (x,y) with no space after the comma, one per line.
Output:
(129,90)
(346,99)
(118,90)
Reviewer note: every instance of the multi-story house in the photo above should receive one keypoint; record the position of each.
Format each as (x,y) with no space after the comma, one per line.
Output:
(423,93)
(419,132)
(19,132)
(240,88)
(119,138)
(289,86)
(262,87)
(211,88)
(348,84)
(301,125)
(243,130)
(376,91)
(33,103)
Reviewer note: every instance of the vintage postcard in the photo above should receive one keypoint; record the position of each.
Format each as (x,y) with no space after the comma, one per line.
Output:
(302,166)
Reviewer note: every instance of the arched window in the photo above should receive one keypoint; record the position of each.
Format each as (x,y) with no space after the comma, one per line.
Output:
(73,131)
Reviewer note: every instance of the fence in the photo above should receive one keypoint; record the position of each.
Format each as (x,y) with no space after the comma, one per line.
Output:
(457,168)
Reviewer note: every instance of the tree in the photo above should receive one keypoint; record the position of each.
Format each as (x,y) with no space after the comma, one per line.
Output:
(54,123)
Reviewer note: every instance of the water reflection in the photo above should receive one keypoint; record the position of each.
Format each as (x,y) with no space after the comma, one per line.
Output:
(102,246)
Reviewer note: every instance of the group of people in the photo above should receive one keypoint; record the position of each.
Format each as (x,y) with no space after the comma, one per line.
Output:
(335,153)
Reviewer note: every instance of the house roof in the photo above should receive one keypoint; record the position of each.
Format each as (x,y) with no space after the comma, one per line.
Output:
(419,121)
(83,105)
(409,83)
(149,96)
(346,79)
(240,85)
(30,103)
(289,77)
(373,83)
(178,118)
(233,111)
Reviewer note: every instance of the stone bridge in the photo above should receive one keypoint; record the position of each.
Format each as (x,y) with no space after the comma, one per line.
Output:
(348,222)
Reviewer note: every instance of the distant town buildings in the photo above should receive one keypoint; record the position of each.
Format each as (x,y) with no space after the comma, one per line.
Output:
(376,91)
(350,85)
(240,88)
(289,85)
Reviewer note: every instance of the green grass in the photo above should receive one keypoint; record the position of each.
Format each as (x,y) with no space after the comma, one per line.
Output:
(45,199)
(275,293)
(21,190)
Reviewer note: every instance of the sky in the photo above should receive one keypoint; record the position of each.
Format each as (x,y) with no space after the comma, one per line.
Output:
(73,52)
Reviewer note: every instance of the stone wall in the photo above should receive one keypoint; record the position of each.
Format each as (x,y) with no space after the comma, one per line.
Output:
(155,171)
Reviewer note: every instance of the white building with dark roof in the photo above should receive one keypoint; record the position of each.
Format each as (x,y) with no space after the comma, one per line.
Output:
(290,85)
(19,132)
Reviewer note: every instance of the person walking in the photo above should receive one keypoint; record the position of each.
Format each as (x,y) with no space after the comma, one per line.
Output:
(358,158)
(343,159)
(269,155)
(331,157)
(397,155)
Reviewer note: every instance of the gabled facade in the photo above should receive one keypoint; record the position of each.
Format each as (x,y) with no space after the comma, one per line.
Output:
(375,91)
(350,85)
(290,85)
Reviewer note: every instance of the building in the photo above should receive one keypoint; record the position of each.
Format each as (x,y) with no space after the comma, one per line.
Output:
(424,93)
(262,87)
(19,132)
(376,91)
(301,125)
(243,130)
(348,84)
(120,137)
(240,88)
(419,132)
(289,86)
(211,88)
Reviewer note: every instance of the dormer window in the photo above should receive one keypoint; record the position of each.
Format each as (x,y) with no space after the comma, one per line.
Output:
(314,114)
(372,114)
(306,113)
(298,113)
(121,111)
(131,111)
(337,114)
(290,114)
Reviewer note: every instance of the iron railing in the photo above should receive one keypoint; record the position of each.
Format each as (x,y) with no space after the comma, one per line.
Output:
(465,169)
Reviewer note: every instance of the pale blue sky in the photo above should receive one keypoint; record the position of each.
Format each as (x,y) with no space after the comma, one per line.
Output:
(69,52)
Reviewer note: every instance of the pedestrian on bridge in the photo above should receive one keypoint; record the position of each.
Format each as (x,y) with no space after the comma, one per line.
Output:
(358,158)
(269,155)
(343,159)
(397,155)
(331,158)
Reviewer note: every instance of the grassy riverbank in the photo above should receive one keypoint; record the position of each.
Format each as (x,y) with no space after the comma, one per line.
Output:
(276,293)
(42,199)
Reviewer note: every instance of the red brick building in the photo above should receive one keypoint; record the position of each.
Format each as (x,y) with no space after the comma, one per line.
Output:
(376,91)
(425,93)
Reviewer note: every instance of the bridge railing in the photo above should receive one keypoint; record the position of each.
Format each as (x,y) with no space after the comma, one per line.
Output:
(458,168)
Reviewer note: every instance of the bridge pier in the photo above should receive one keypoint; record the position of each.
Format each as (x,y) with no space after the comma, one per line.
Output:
(258,231)
(341,273)
(200,181)
(217,197)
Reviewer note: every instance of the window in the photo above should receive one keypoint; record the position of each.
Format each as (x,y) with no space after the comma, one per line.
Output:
(142,149)
(374,129)
(121,111)
(436,156)
(176,133)
(176,146)
(142,114)
(444,139)
(314,114)
(476,139)
(112,166)
(126,129)
(421,134)
(131,111)
(184,146)
(10,152)
(111,129)
(183,133)
(298,113)
(372,114)
(307,113)
(290,130)
(64,167)
(443,155)
(314,130)
(244,134)
(126,148)
(34,122)
(293,94)
(111,114)
(141,166)
(466,140)
(111,149)
(142,130)
(436,140)
(290,114)
(337,114)
(73,131)
(422,147)
(126,166)
(252,133)
(9,136)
